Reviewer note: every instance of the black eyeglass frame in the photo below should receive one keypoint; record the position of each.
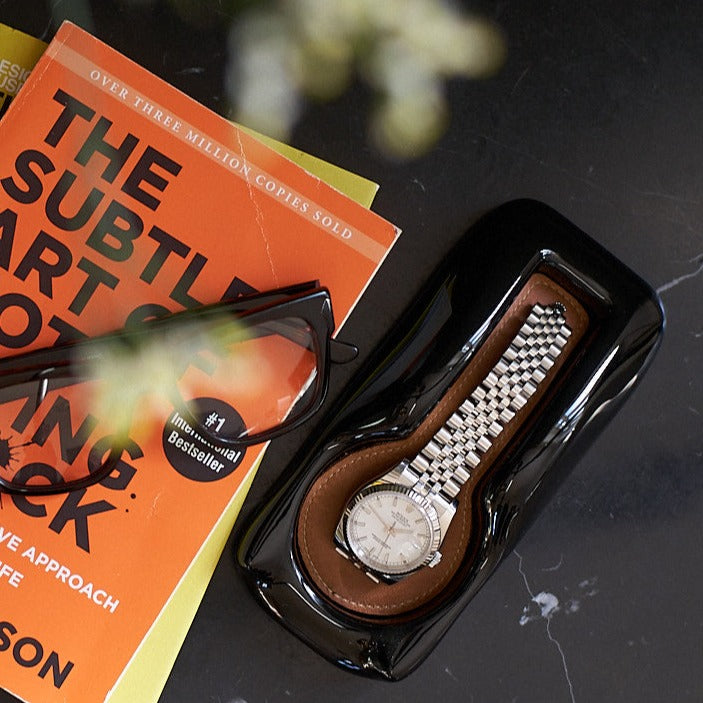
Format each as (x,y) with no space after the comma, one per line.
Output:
(307,301)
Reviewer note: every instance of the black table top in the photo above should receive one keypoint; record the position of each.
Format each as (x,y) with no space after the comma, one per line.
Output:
(597,112)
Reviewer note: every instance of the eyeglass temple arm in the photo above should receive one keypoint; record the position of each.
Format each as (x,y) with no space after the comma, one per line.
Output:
(339,352)
(246,302)
(342,352)
(37,365)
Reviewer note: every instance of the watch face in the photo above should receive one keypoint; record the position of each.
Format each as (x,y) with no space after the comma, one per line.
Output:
(391,529)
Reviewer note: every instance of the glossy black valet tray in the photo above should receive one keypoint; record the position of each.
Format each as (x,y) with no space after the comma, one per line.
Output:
(513,254)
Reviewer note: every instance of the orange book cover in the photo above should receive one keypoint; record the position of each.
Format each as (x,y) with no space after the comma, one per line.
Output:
(119,197)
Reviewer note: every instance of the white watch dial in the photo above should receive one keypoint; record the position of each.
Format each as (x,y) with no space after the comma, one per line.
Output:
(390,531)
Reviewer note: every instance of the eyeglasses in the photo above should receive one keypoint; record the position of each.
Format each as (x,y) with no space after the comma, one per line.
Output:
(230,375)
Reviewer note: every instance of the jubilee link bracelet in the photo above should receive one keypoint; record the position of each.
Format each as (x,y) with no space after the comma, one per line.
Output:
(444,464)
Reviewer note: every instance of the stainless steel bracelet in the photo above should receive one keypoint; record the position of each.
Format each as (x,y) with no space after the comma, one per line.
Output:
(444,464)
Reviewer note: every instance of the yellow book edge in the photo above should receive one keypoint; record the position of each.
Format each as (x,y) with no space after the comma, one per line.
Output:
(144,678)
(21,51)
(351,184)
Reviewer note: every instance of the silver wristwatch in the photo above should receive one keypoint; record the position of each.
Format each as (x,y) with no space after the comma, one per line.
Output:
(395,525)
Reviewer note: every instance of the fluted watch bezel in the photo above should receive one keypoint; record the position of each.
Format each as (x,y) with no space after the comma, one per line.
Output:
(431,554)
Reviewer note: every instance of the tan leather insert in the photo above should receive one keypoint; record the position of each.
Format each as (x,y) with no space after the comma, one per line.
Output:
(336,577)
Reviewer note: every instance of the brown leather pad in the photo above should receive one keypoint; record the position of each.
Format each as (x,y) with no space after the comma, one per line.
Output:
(338,579)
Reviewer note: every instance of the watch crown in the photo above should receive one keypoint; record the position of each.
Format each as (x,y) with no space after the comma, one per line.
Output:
(435,559)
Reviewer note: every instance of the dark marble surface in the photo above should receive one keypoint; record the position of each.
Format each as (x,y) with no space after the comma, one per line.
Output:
(597,112)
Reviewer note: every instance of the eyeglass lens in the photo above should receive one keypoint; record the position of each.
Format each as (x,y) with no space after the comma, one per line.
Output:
(262,371)
(259,374)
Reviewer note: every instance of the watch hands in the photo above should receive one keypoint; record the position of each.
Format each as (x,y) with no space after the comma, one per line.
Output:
(381,520)
(390,532)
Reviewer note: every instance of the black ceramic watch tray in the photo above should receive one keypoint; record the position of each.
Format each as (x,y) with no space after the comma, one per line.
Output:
(371,628)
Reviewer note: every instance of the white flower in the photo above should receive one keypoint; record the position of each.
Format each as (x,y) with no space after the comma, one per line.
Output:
(404,49)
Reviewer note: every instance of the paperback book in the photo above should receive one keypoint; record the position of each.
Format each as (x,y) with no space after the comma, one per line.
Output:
(121,198)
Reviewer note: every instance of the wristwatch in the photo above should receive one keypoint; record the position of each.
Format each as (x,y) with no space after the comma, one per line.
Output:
(395,525)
